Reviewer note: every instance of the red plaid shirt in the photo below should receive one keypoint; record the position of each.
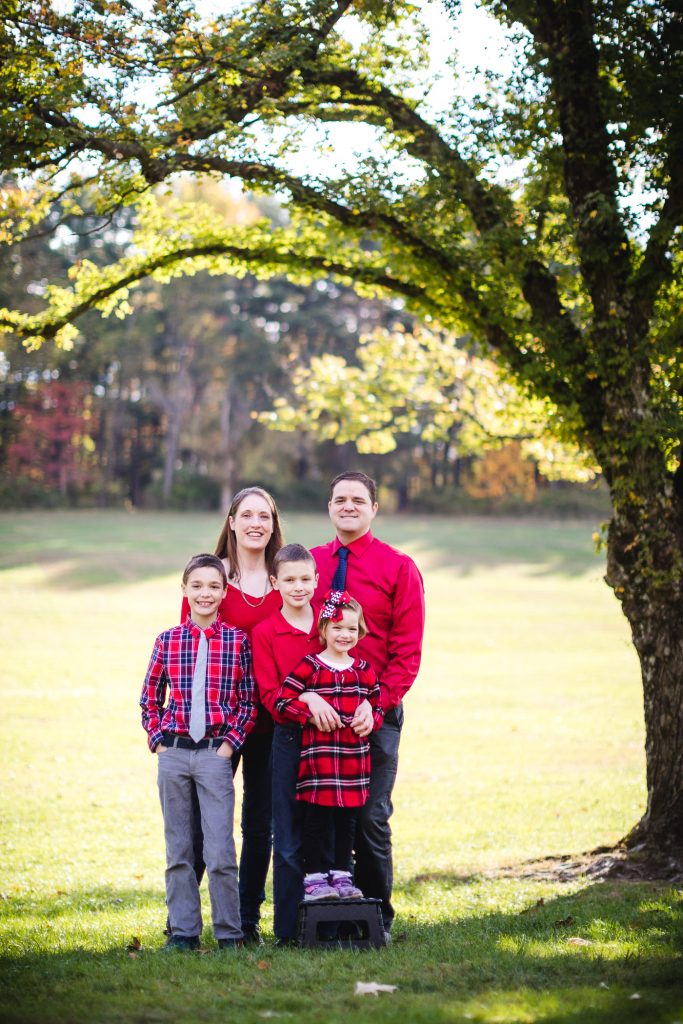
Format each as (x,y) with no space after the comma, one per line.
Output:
(335,766)
(230,686)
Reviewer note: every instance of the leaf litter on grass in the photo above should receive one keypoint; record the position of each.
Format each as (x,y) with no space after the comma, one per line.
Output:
(372,988)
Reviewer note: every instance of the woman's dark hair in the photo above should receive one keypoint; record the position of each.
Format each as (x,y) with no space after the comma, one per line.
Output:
(226,545)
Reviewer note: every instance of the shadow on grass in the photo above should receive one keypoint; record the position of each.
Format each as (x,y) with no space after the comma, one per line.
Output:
(464,546)
(88,549)
(91,549)
(487,966)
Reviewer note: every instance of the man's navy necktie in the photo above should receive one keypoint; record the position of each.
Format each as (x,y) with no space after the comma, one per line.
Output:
(339,578)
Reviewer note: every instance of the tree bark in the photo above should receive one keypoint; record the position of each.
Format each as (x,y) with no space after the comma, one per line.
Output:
(229,466)
(645,554)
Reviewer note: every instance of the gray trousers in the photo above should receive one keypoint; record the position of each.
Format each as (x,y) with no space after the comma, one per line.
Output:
(177,769)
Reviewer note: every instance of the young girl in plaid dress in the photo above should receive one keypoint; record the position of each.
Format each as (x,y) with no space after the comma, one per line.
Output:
(334,771)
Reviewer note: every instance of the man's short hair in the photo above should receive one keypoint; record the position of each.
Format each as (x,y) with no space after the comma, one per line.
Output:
(362,478)
(205,561)
(292,553)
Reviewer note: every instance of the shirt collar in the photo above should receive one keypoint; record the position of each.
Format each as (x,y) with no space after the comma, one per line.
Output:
(356,547)
(210,631)
(282,626)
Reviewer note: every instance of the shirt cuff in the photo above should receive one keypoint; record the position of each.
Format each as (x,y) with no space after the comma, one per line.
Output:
(297,711)
(154,739)
(385,699)
(235,739)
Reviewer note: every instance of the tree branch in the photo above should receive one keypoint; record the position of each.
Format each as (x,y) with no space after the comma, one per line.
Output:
(308,196)
(565,33)
(426,144)
(272,82)
(256,257)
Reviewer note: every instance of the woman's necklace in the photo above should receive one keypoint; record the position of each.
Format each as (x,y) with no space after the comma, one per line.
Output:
(259,600)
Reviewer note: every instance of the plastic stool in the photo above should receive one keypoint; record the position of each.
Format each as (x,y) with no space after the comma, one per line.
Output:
(364,913)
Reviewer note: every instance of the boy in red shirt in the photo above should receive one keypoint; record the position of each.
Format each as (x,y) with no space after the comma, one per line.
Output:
(280,642)
(204,667)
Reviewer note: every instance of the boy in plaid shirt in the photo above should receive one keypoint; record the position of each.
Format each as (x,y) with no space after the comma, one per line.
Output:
(334,770)
(204,667)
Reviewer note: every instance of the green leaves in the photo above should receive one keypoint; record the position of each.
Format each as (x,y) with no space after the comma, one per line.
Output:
(423,384)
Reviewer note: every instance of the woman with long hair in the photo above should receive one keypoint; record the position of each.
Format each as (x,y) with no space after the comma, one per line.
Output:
(247,544)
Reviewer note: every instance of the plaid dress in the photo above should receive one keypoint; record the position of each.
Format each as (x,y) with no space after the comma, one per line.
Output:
(334,769)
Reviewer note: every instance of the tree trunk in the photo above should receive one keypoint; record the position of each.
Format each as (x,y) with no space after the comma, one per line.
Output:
(176,404)
(645,555)
(235,420)
(174,416)
(229,467)
(134,482)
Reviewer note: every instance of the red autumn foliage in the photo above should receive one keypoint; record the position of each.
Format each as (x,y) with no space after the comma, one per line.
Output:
(52,443)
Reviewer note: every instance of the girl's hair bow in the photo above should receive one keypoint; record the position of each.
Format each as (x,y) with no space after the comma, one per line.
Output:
(333,605)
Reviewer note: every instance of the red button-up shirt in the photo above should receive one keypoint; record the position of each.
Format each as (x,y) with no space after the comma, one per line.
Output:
(230,686)
(389,588)
(278,648)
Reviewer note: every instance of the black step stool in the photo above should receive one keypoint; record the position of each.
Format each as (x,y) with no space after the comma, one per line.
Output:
(365,914)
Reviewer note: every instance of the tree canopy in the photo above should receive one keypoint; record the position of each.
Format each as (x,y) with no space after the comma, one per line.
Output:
(421,383)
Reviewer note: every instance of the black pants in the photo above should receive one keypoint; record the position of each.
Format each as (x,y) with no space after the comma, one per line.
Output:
(328,837)
(374,862)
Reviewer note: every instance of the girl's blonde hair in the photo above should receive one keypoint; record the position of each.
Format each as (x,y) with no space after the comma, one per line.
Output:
(353,606)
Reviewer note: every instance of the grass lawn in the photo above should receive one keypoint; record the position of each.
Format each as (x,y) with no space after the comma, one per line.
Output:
(523,739)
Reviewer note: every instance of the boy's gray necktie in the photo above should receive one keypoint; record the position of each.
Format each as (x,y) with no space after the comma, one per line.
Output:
(198,708)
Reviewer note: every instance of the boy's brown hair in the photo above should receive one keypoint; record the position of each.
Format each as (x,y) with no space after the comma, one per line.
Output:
(292,553)
(205,561)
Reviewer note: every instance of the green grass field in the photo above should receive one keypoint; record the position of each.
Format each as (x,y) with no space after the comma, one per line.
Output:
(523,739)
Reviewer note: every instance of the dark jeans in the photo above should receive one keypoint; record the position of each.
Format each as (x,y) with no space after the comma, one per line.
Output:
(374,859)
(257,837)
(288,877)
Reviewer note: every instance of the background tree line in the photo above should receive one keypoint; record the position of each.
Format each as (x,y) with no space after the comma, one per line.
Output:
(170,407)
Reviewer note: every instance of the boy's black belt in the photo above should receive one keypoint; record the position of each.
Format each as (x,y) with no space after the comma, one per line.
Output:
(171,739)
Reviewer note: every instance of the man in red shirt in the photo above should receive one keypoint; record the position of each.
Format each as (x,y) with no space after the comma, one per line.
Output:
(389,588)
